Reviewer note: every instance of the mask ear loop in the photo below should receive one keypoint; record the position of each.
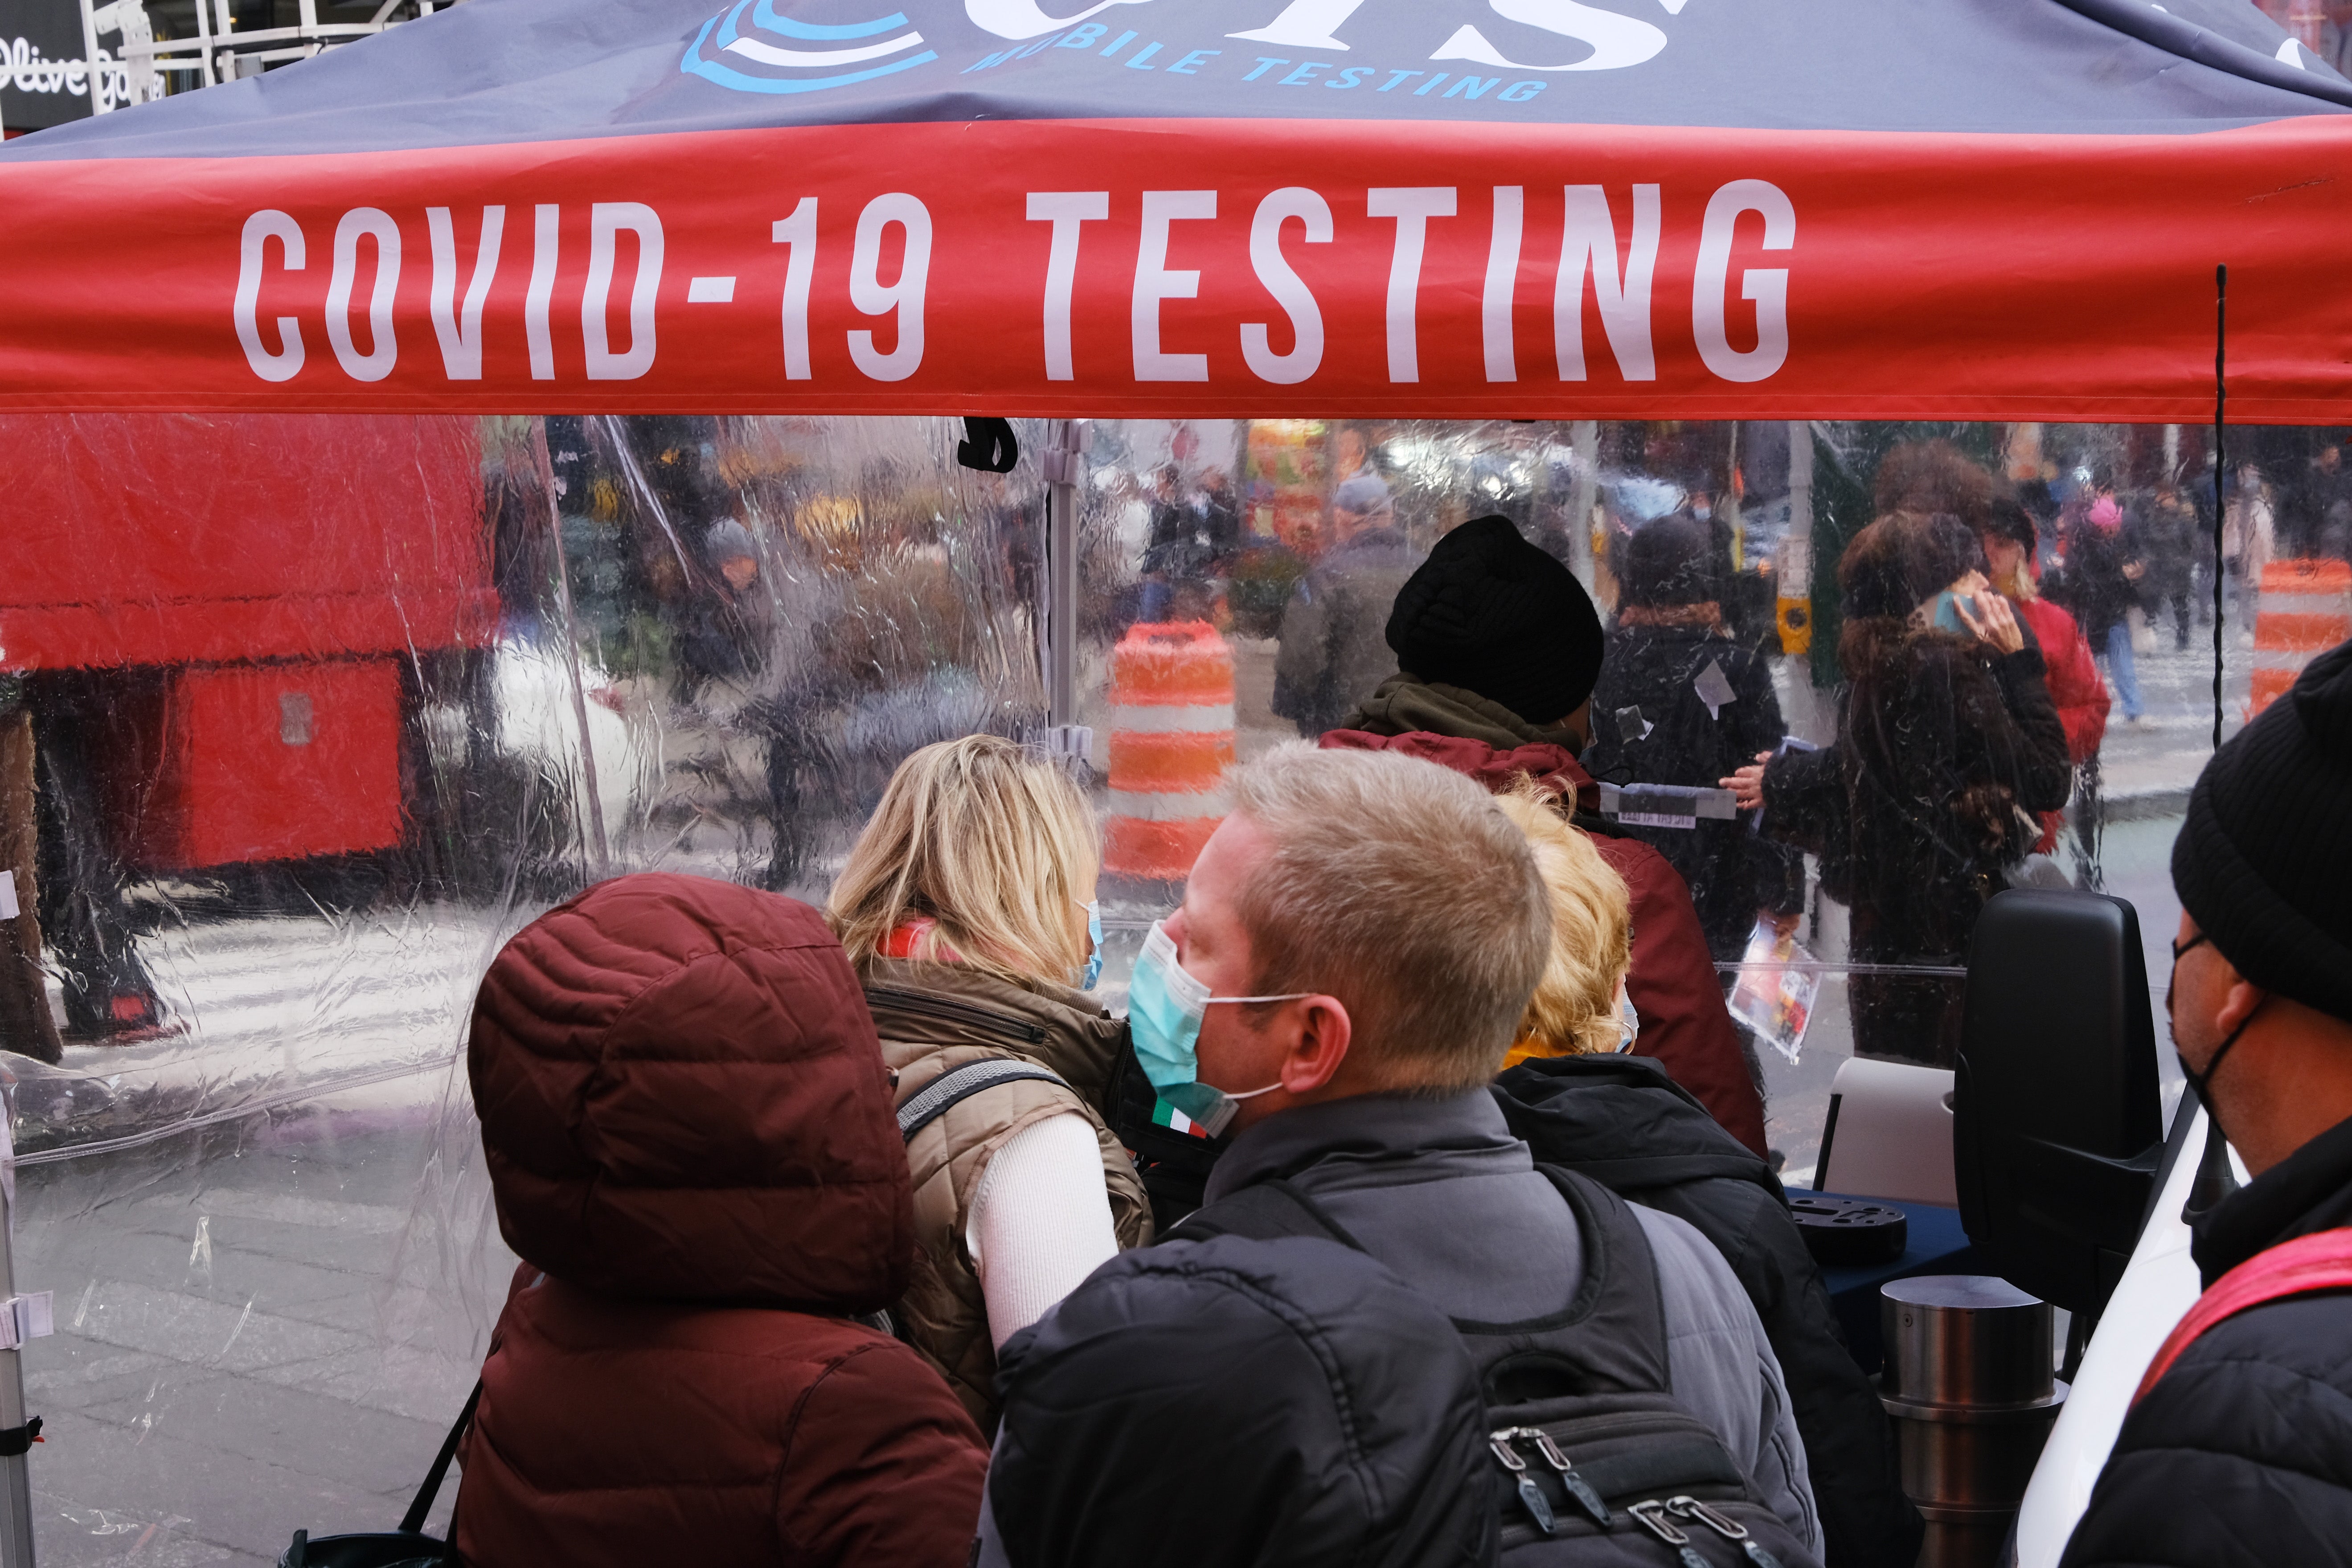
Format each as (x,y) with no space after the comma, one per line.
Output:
(2200,1083)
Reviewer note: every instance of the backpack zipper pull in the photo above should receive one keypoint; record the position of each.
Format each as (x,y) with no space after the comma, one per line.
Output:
(1723,1524)
(1578,1486)
(1651,1516)
(1531,1496)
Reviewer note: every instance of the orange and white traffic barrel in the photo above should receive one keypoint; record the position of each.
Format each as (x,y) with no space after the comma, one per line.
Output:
(2306,609)
(1171,742)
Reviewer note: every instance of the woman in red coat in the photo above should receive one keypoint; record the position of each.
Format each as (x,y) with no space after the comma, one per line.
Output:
(2076,689)
(688,1132)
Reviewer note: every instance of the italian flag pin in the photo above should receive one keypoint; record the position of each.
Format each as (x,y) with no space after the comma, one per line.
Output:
(1166,1115)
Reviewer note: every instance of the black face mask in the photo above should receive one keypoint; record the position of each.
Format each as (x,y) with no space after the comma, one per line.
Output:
(2200,1083)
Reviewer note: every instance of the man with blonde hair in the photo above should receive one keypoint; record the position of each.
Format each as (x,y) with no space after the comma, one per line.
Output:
(1356,947)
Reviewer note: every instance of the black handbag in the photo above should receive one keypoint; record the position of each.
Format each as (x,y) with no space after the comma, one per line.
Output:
(407,1547)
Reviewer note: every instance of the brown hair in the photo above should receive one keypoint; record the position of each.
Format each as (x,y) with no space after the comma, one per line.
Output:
(1888,570)
(1929,477)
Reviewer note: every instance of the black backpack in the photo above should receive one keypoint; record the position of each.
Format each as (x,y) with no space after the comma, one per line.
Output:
(1595,1464)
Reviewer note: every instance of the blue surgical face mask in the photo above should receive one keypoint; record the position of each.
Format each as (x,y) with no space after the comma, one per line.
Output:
(1629,1020)
(1094,936)
(1165,1005)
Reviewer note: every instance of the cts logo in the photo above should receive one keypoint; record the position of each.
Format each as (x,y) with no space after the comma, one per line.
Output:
(768,52)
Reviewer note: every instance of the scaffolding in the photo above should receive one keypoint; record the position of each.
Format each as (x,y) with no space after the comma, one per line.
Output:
(218,53)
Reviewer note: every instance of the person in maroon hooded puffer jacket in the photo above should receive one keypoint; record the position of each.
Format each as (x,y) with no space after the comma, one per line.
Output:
(688,1132)
(1499,647)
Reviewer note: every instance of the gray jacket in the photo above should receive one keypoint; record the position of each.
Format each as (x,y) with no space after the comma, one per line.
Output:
(1335,646)
(1440,1192)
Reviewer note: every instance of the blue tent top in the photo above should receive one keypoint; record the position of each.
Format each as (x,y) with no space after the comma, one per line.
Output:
(492,72)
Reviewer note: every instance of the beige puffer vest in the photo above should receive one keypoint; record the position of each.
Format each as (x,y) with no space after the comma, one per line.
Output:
(933,1017)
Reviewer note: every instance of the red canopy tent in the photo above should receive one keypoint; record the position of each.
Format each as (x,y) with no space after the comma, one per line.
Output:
(1473,209)
(1845,209)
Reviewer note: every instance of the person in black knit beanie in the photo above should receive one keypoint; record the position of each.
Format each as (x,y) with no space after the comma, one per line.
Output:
(2241,1448)
(2264,863)
(1491,613)
(1499,647)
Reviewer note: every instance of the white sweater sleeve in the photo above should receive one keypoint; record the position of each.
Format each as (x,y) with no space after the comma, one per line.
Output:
(1039,1222)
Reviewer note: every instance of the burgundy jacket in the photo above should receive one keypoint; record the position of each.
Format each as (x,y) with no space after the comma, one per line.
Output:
(688,1132)
(1670,979)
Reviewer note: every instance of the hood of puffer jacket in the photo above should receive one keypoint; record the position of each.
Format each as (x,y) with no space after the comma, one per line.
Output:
(682,1098)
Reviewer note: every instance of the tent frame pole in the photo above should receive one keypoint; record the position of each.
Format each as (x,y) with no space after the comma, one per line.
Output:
(2221,402)
(1060,463)
(544,463)
(15,1469)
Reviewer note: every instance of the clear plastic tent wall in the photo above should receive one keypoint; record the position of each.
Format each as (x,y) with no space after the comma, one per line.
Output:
(305,716)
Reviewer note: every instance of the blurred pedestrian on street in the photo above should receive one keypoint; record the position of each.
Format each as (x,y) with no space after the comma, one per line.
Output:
(26,1025)
(1334,642)
(1191,538)
(1220,511)
(1659,717)
(2068,668)
(2101,586)
(2169,534)
(1945,735)
(732,617)
(2321,513)
(2249,538)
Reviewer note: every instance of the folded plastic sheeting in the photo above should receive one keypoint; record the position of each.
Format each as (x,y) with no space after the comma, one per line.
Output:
(301,717)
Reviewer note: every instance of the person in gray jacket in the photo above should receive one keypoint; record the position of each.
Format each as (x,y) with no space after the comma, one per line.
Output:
(1356,946)
(1335,629)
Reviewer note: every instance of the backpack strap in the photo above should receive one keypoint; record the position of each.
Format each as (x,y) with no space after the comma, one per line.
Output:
(958,1084)
(2321,1261)
(1612,1330)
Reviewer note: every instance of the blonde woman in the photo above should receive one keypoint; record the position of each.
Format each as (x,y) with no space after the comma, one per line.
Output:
(1624,1123)
(967,907)
(1580,1006)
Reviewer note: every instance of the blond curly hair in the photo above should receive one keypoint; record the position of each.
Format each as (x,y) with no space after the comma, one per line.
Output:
(1574,1009)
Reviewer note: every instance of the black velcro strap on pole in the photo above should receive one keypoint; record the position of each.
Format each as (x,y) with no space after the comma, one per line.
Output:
(15,1440)
(956,1085)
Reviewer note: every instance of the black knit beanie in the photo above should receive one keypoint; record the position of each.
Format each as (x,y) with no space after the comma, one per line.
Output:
(2264,859)
(1665,563)
(1492,613)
